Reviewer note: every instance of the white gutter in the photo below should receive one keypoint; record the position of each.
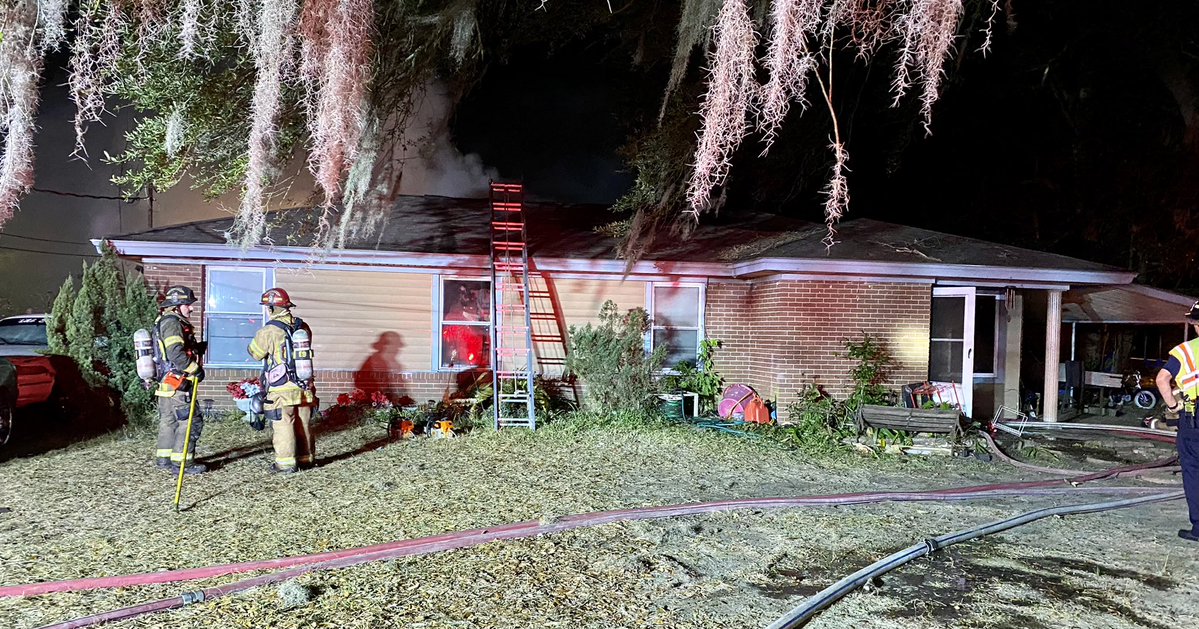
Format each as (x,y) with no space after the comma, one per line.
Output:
(772,268)
(940,271)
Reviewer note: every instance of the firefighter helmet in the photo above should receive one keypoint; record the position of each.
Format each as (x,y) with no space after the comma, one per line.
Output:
(276,297)
(177,296)
(1193,314)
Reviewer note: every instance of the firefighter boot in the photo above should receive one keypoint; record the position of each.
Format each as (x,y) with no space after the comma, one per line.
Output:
(195,468)
(164,463)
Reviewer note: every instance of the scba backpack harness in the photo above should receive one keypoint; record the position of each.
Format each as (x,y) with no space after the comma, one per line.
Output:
(172,378)
(284,371)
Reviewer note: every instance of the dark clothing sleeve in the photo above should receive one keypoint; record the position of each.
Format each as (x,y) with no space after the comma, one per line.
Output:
(175,343)
(1173,366)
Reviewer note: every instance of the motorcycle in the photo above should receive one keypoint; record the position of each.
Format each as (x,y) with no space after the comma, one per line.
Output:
(1136,390)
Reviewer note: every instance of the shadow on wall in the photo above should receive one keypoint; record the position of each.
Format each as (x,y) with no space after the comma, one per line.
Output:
(381,370)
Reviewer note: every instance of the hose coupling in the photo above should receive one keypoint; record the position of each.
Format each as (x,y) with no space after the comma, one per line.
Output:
(195,596)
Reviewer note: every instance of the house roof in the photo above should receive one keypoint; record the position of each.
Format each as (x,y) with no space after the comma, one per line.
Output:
(442,231)
(1124,304)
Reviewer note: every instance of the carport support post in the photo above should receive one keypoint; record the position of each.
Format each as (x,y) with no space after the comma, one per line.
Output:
(1053,349)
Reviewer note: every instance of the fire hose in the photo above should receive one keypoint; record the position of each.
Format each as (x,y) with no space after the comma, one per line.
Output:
(834,592)
(531,528)
(290,567)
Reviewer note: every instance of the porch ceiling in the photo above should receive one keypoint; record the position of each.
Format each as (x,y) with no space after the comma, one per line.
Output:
(1130,303)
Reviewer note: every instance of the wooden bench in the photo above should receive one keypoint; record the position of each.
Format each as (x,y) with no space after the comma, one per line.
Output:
(910,419)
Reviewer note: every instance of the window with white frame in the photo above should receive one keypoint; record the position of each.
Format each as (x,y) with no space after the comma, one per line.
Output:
(233,313)
(677,311)
(464,324)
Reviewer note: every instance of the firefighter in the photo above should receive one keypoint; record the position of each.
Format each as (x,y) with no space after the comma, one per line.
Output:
(1183,368)
(290,396)
(178,356)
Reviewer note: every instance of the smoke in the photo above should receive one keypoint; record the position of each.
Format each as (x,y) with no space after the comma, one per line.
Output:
(432,164)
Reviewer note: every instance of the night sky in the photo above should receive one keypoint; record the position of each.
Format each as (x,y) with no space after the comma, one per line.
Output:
(1078,133)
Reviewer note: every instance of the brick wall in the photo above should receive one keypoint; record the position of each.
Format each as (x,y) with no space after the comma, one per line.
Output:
(418,387)
(159,277)
(780,335)
(728,317)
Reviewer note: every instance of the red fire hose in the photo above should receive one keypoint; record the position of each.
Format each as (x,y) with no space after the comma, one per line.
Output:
(290,567)
(532,527)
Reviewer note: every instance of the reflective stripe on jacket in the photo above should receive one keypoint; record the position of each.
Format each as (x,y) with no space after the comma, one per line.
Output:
(272,341)
(177,346)
(1187,378)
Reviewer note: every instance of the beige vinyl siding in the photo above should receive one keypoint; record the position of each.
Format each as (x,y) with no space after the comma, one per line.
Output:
(578,303)
(349,310)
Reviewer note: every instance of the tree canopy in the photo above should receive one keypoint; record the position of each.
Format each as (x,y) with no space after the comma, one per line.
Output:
(227,90)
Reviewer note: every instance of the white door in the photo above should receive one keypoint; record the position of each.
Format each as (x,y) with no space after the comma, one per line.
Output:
(951,341)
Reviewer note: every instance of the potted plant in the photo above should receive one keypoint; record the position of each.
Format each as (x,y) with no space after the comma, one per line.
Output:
(242,391)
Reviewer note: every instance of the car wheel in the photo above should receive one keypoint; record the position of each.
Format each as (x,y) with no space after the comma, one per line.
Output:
(6,415)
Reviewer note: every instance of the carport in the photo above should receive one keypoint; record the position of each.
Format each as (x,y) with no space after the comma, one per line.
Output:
(1131,307)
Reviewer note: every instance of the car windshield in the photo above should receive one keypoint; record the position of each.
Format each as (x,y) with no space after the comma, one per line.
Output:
(23,331)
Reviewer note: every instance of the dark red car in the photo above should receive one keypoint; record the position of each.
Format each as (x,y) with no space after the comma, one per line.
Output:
(26,374)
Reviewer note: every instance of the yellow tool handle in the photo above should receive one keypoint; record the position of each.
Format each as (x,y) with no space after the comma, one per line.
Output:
(186,442)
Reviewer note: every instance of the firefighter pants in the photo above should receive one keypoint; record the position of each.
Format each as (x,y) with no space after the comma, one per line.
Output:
(1188,458)
(172,427)
(291,428)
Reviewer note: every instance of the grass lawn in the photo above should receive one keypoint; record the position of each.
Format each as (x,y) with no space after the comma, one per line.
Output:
(99,508)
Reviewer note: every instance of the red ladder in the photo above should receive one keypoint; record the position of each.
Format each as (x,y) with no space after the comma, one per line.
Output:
(511,325)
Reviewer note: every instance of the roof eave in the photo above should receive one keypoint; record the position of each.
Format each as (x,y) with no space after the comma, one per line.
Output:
(196,252)
(1022,277)
(1026,277)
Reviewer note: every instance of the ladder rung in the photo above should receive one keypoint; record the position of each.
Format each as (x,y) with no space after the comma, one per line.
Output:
(543,316)
(508,246)
(546,338)
(511,374)
(496,185)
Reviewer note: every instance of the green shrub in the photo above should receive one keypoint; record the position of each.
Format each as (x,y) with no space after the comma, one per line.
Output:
(874,363)
(56,322)
(699,377)
(817,423)
(611,361)
(95,328)
(549,400)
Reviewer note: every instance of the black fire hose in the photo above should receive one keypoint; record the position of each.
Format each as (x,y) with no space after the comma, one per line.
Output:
(834,592)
